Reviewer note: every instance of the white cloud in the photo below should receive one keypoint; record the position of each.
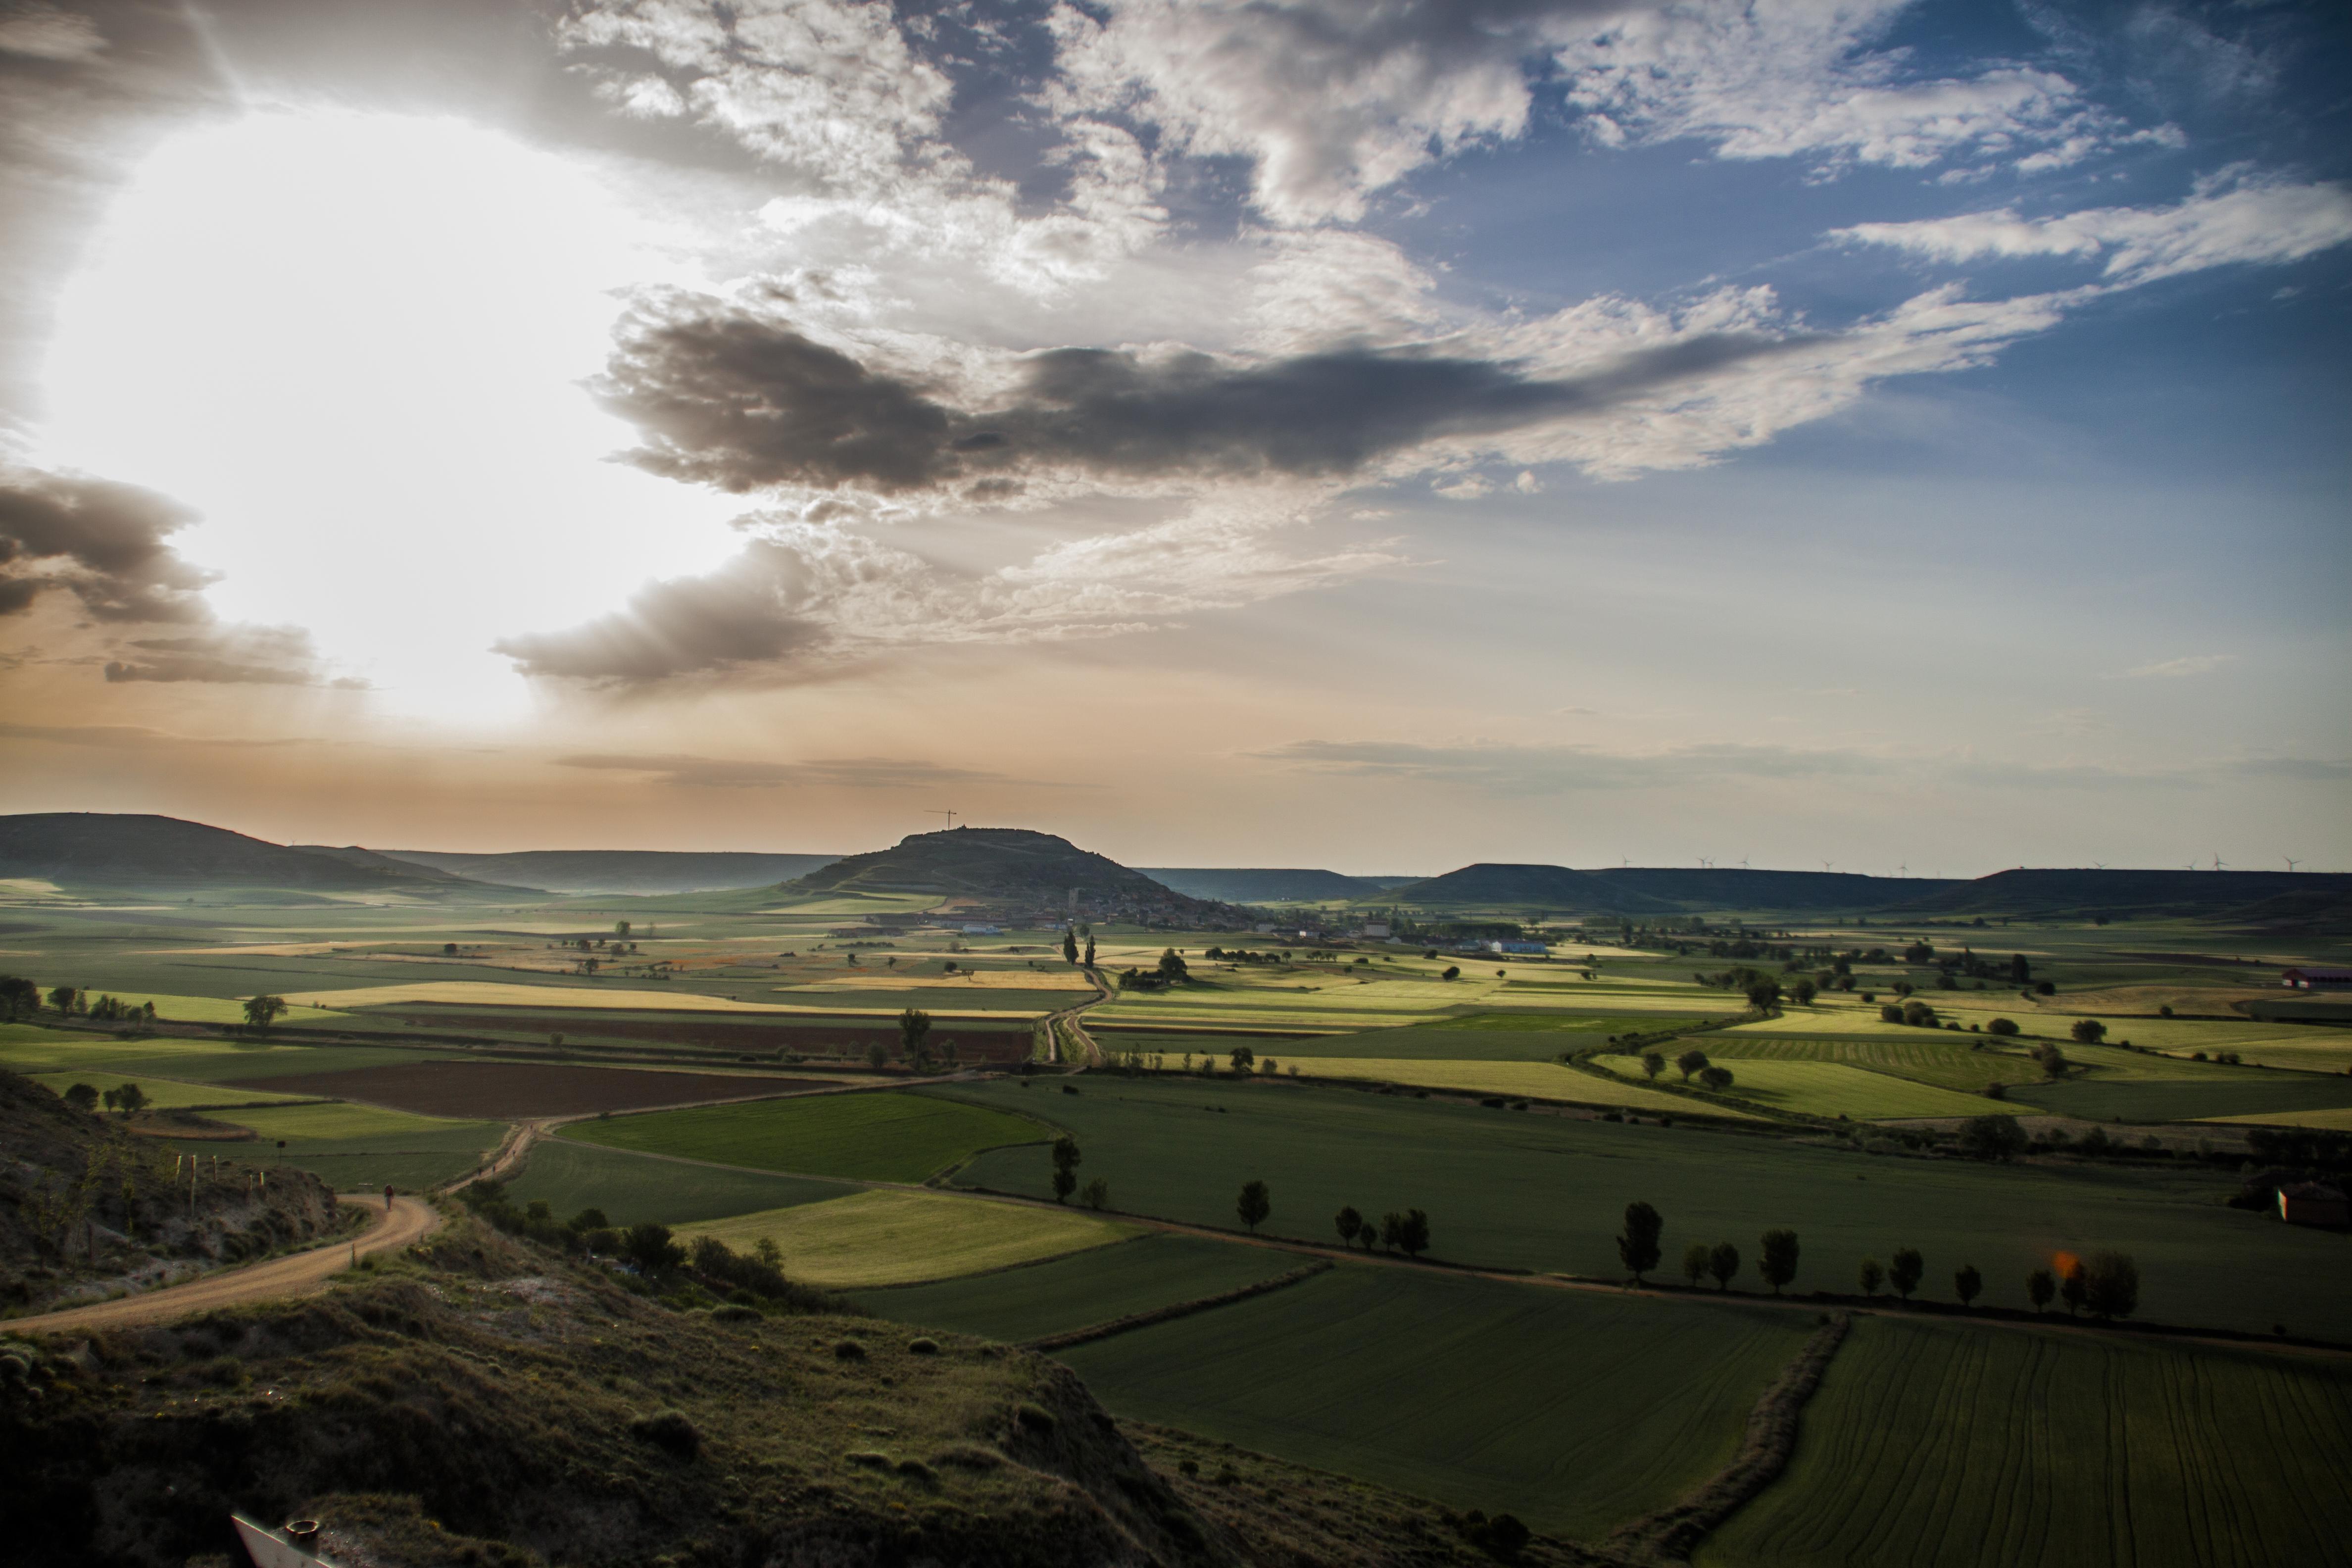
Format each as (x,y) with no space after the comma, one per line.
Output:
(2173,668)
(2231,219)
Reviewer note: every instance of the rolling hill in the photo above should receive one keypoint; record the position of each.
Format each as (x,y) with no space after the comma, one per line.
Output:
(1738,888)
(1491,884)
(634,871)
(1018,869)
(104,849)
(2257,897)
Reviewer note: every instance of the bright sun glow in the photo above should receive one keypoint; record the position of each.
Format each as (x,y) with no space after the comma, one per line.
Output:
(354,343)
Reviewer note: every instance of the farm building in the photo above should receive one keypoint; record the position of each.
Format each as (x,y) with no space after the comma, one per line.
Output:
(1531,949)
(2314,1203)
(2316,979)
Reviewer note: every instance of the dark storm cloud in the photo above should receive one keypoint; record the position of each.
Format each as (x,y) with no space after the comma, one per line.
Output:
(677,626)
(227,656)
(720,773)
(733,399)
(104,542)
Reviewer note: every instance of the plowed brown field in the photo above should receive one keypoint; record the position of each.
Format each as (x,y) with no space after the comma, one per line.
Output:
(504,1090)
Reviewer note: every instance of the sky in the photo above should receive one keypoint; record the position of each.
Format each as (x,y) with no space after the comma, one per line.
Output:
(1370,434)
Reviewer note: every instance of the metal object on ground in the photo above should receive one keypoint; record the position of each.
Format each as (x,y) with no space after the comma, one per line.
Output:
(286,1547)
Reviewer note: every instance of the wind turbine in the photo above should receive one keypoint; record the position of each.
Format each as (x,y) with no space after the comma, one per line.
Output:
(2098,865)
(1705,864)
(950,815)
(1743,862)
(2291,861)
(2217,859)
(1827,864)
(1904,869)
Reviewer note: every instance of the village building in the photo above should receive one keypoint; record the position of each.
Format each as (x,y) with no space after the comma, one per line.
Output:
(2309,979)
(2314,1203)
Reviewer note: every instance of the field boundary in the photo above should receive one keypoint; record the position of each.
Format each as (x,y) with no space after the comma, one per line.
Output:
(1668,1535)
(1178,1309)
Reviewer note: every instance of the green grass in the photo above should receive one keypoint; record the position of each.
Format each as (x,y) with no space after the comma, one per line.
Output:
(355,1147)
(1096,1286)
(1824,1088)
(1929,1060)
(633,1189)
(887,1137)
(1527,1190)
(2179,1099)
(886,1236)
(163,1094)
(1938,1446)
(194,1061)
(1574,1410)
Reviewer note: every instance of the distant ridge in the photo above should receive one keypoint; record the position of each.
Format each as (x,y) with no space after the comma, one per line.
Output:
(2262,897)
(1492,883)
(1738,888)
(634,871)
(1248,886)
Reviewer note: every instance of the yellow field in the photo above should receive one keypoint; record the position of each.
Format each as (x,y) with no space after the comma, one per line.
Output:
(164,1094)
(493,993)
(879,978)
(1827,1088)
(209,1009)
(884,1237)
(1536,1080)
(2336,1120)
(337,1122)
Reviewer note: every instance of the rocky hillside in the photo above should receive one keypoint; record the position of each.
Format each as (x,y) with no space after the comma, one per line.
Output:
(87,1209)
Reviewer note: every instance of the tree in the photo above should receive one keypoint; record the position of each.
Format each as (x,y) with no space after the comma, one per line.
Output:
(1350,1225)
(1637,1248)
(1888,1013)
(263,1011)
(1803,992)
(2110,1284)
(2039,1287)
(1968,1284)
(1723,1262)
(19,997)
(2088,1031)
(81,1096)
(1243,1059)
(1412,1233)
(62,998)
(1070,945)
(1453,972)
(1694,1261)
(1066,1160)
(1255,1203)
(2070,1285)
(621,930)
(1096,1194)
(1090,949)
(1779,1261)
(1714,1078)
(1689,1062)
(1172,967)
(449,950)
(1992,1137)
(650,1247)
(131,1099)
(1652,1064)
(1764,994)
(1906,1272)
(1872,1277)
(2005,1027)
(914,1029)
(2020,971)
(1918,1014)
(877,1054)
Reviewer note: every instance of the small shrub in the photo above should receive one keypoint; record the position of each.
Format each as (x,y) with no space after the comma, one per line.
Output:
(670,1431)
(1069,1088)
(869,1458)
(915,1470)
(1035,1417)
(1188,1466)
(735,1312)
(967,1457)
(925,1345)
(848,1349)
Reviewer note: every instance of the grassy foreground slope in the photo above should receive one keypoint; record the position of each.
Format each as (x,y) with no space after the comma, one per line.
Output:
(1574,1410)
(886,1237)
(1096,1285)
(1532,1191)
(1942,1446)
(888,1137)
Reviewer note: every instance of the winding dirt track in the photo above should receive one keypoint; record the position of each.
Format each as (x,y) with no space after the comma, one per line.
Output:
(410,1219)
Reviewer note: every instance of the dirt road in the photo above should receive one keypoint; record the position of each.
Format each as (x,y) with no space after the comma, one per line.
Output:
(411,1219)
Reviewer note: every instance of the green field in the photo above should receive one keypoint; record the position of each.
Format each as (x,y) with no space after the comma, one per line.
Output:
(886,1237)
(2185,1099)
(633,1189)
(1928,1059)
(1823,1088)
(356,1147)
(1096,1286)
(1575,1410)
(886,1137)
(1523,1190)
(163,1094)
(1485,1036)
(1535,1080)
(193,1061)
(1934,1444)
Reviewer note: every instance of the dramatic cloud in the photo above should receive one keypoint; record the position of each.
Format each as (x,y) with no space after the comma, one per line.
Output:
(229,655)
(741,401)
(105,544)
(843,772)
(2226,222)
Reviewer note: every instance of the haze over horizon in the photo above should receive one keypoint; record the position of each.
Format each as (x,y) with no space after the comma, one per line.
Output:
(1291,435)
